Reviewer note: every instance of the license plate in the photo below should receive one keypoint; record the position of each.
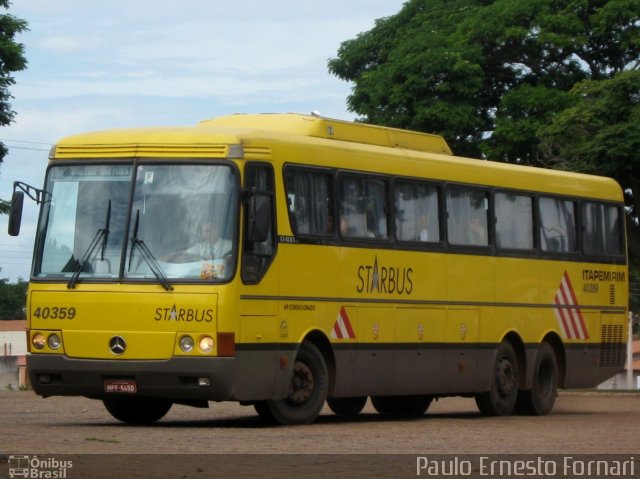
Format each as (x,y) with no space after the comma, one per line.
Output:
(120,386)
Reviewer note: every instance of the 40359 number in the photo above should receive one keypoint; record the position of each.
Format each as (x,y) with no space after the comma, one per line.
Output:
(54,312)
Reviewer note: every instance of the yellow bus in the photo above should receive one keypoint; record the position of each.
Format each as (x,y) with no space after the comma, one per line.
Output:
(284,261)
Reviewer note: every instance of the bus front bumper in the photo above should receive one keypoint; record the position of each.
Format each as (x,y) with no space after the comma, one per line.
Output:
(178,379)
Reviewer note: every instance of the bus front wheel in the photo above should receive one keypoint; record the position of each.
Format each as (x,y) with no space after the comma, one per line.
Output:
(500,399)
(136,410)
(539,400)
(307,391)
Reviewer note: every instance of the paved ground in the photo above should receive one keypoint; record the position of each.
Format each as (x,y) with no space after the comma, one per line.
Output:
(581,423)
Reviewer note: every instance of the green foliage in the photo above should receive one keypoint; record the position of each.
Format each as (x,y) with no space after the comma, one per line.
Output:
(487,75)
(599,134)
(598,129)
(525,110)
(12,59)
(12,299)
(413,71)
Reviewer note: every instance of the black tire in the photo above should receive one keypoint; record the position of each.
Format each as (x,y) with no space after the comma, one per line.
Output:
(410,406)
(539,400)
(347,406)
(501,397)
(137,410)
(264,412)
(307,391)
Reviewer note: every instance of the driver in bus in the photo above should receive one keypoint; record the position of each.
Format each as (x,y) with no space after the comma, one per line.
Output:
(209,246)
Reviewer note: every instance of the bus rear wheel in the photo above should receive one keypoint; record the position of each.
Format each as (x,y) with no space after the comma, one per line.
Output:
(401,405)
(500,399)
(137,410)
(347,406)
(539,400)
(307,391)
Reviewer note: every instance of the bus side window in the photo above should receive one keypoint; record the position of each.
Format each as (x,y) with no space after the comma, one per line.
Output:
(514,221)
(257,255)
(363,208)
(309,199)
(467,216)
(416,207)
(557,225)
(601,230)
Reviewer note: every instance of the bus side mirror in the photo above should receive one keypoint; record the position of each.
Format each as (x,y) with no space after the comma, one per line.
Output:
(258,216)
(15,215)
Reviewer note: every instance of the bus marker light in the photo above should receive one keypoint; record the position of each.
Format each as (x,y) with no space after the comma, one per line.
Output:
(186,344)
(284,362)
(54,341)
(236,152)
(38,341)
(206,344)
(226,344)
(461,365)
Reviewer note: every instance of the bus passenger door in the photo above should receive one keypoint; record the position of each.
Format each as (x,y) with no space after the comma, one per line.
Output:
(258,367)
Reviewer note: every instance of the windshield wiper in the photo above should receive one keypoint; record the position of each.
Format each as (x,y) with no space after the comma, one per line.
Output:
(101,237)
(148,256)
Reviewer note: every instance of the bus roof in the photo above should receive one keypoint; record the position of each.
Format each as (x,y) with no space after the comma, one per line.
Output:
(319,127)
(401,152)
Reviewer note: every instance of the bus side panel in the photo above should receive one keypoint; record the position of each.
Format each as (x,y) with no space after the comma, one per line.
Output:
(606,356)
(460,369)
(412,370)
(263,372)
(419,361)
(419,366)
(375,364)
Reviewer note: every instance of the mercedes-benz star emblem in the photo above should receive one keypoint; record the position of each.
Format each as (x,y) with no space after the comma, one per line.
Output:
(117,345)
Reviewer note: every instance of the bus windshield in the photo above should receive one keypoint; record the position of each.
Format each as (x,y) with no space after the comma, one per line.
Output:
(181,222)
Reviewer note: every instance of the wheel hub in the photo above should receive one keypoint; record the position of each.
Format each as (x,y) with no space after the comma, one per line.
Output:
(505,378)
(302,383)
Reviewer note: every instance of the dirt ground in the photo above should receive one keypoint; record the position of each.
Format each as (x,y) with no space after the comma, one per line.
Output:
(187,440)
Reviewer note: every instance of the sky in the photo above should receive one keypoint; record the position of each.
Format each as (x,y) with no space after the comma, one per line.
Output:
(96,64)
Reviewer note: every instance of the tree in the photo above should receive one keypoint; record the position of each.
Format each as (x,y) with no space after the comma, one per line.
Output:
(600,134)
(487,75)
(413,70)
(11,60)
(12,299)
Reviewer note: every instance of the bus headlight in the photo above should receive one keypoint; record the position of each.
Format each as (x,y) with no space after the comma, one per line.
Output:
(186,344)
(54,341)
(38,341)
(206,344)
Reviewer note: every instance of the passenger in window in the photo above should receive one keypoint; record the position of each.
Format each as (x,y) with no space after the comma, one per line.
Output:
(344,227)
(329,224)
(371,226)
(478,232)
(423,232)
